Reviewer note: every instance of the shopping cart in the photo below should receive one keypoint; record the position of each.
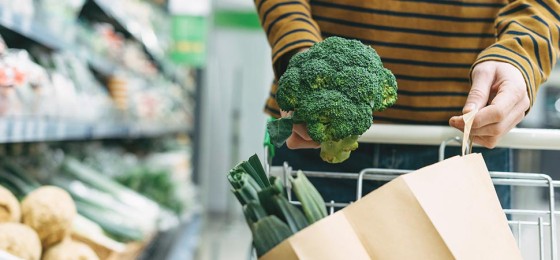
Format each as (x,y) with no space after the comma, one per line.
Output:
(534,226)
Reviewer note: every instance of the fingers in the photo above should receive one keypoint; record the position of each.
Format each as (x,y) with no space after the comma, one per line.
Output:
(499,110)
(301,131)
(488,134)
(299,139)
(500,92)
(482,79)
(286,113)
(483,76)
(457,122)
(513,117)
(297,142)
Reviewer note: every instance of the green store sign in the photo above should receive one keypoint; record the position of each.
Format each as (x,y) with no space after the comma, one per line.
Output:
(189,40)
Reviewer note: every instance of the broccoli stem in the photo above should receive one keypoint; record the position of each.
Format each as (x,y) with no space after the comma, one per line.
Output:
(338,151)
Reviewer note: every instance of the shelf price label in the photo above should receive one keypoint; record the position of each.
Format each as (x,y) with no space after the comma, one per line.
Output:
(41,129)
(3,130)
(17,130)
(30,128)
(60,130)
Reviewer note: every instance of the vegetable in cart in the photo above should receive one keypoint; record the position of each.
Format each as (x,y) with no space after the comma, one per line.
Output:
(269,214)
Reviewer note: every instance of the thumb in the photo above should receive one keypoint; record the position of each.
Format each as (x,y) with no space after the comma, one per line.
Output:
(482,79)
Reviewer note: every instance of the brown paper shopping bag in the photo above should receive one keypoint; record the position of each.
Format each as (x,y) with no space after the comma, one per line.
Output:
(448,210)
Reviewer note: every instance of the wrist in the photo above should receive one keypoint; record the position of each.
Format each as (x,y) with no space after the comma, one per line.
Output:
(282,63)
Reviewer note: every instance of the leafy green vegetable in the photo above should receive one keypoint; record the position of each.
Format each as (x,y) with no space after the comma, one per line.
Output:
(157,185)
(279,130)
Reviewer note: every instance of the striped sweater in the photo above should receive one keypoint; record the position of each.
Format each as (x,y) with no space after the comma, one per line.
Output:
(430,45)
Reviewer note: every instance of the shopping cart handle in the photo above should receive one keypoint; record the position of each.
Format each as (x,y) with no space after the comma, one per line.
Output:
(517,138)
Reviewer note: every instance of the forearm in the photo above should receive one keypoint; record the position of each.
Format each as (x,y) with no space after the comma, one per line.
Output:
(289,28)
(527,37)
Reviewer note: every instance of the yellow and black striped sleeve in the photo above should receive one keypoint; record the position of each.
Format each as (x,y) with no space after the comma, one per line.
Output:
(528,35)
(288,26)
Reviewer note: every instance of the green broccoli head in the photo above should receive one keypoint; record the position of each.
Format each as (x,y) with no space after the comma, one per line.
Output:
(334,87)
(332,116)
(386,95)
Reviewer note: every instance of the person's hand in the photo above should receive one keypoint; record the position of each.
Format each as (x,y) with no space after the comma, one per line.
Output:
(299,139)
(500,93)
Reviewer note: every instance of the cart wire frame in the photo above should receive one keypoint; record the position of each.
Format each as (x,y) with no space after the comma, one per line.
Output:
(545,219)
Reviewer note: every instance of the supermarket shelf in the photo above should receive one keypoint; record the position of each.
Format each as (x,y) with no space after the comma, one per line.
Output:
(103,65)
(30,29)
(107,11)
(40,130)
(115,16)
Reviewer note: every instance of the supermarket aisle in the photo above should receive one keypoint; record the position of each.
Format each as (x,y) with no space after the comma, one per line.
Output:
(224,238)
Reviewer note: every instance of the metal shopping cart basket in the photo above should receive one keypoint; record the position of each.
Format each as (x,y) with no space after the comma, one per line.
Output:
(533,224)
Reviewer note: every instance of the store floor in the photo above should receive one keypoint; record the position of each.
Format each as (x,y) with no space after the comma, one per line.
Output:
(224,237)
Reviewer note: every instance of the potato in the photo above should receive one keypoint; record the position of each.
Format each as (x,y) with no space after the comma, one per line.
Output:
(9,206)
(70,250)
(49,211)
(20,240)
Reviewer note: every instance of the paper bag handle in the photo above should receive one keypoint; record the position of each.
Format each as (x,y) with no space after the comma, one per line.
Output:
(468,118)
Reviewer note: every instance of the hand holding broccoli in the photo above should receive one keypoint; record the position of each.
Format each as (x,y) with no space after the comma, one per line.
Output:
(299,139)
(333,88)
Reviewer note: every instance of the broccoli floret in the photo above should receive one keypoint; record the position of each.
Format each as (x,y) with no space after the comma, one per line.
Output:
(334,87)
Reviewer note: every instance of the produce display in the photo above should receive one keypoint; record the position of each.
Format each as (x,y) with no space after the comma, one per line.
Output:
(87,194)
(83,70)
(48,214)
(158,185)
(269,214)
(333,88)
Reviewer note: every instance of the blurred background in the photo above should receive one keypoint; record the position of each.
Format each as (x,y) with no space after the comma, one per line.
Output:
(139,108)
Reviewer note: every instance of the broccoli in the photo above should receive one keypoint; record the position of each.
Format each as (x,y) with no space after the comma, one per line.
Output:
(334,87)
